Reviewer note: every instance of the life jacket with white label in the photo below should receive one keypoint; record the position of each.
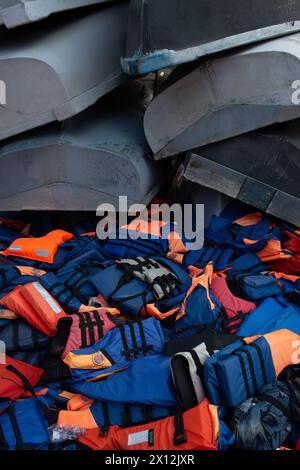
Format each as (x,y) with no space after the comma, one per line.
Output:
(34,303)
(200,428)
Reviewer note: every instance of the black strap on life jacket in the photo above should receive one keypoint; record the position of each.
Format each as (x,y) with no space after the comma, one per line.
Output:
(58,291)
(273,401)
(136,350)
(76,286)
(126,350)
(148,413)
(106,424)
(145,347)
(127,415)
(244,373)
(179,431)
(15,426)
(24,380)
(87,324)
(261,361)
(3,441)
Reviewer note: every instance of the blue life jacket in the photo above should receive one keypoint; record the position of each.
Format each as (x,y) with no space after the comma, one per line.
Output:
(19,335)
(33,357)
(254,287)
(115,351)
(146,381)
(219,255)
(131,295)
(23,426)
(11,277)
(64,296)
(271,315)
(238,372)
(108,414)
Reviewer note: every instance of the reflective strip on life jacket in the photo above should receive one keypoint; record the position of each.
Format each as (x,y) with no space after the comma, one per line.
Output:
(40,249)
(33,303)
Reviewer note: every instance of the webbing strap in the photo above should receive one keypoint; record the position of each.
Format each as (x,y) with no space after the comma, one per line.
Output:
(90,327)
(25,381)
(82,328)
(127,415)
(244,373)
(135,348)
(179,431)
(15,427)
(252,371)
(3,440)
(106,424)
(148,413)
(99,323)
(145,347)
(261,361)
(126,350)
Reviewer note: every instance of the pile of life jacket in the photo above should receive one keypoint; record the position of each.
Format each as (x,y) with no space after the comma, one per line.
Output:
(139,342)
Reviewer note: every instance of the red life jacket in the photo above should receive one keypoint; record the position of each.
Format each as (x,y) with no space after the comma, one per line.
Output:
(287,266)
(83,330)
(196,429)
(235,308)
(17,377)
(34,303)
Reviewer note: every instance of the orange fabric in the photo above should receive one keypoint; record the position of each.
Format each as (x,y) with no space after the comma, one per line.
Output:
(7,314)
(285,348)
(33,303)
(79,402)
(204,280)
(250,219)
(152,227)
(39,393)
(177,257)
(95,441)
(199,426)
(30,271)
(272,251)
(40,249)
(81,418)
(152,311)
(288,277)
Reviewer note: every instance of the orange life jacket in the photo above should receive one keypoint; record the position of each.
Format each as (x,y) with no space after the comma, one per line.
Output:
(34,303)
(40,249)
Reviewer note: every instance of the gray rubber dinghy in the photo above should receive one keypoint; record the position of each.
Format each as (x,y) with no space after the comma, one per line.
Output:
(164,33)
(57,71)
(226,97)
